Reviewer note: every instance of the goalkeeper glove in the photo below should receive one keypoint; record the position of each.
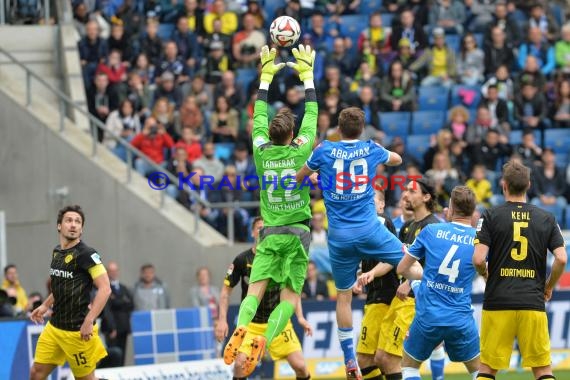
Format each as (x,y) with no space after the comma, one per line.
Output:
(305,62)
(268,66)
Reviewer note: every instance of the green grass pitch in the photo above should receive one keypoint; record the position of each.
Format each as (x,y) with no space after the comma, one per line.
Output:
(560,375)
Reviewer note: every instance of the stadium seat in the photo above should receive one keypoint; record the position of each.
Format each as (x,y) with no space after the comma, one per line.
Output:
(515,137)
(416,145)
(165,31)
(567,218)
(562,160)
(556,211)
(224,151)
(468,96)
(557,139)
(387,19)
(479,37)
(395,123)
(427,122)
(434,98)
(245,76)
(453,41)
(352,25)
(368,7)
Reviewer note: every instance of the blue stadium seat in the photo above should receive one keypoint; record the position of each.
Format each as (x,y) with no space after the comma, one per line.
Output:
(387,19)
(515,137)
(557,139)
(434,98)
(468,96)
(479,37)
(556,211)
(416,145)
(245,76)
(368,7)
(165,31)
(395,123)
(453,41)
(562,160)
(352,25)
(224,151)
(427,122)
(567,218)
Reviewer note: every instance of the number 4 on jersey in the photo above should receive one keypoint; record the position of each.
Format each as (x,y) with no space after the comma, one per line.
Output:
(453,270)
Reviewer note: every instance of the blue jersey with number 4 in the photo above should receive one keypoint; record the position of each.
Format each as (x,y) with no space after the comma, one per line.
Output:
(347,170)
(444,297)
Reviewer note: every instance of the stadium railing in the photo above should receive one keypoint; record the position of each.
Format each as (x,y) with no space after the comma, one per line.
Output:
(64,102)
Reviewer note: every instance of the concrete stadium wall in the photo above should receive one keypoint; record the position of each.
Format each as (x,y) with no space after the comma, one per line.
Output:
(35,161)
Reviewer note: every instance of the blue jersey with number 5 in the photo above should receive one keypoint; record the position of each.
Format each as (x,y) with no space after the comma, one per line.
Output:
(444,296)
(347,170)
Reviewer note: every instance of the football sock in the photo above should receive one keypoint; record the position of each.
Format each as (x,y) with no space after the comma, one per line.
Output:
(485,376)
(474,375)
(409,373)
(247,310)
(239,378)
(347,344)
(304,378)
(277,320)
(437,363)
(395,376)
(371,373)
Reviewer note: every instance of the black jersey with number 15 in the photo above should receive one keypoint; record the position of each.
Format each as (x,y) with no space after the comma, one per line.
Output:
(518,236)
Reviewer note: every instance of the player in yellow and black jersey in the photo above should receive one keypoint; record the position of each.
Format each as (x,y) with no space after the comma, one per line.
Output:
(70,335)
(511,252)
(286,345)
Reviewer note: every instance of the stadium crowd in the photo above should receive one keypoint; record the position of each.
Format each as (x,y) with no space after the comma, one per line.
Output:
(456,88)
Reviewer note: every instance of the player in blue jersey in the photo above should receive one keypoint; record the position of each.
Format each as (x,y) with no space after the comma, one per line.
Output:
(443,298)
(346,170)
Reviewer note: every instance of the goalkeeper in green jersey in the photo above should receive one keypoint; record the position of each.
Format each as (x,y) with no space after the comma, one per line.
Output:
(282,252)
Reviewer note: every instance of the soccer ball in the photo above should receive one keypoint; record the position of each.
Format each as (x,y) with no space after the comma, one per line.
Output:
(285,31)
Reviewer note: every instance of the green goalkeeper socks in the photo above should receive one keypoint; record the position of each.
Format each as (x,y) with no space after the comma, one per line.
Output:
(278,319)
(247,310)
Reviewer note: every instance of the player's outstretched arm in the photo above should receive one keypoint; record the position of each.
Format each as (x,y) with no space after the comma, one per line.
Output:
(560,259)
(480,259)
(222,326)
(394,160)
(304,65)
(378,271)
(260,119)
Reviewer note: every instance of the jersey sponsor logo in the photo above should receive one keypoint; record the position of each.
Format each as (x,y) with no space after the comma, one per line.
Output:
(96,258)
(68,258)
(259,141)
(301,140)
(230,270)
(60,273)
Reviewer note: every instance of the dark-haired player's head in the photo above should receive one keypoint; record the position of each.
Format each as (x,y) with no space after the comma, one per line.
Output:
(419,194)
(70,221)
(256,226)
(282,127)
(462,203)
(351,123)
(516,179)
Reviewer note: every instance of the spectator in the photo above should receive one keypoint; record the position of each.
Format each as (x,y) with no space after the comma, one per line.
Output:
(199,92)
(333,80)
(365,76)
(405,54)
(340,7)
(118,40)
(439,143)
(139,94)
(247,43)
(480,186)
(14,289)
(411,31)
(530,74)
(80,18)
(150,43)
(116,72)
(320,35)
(191,143)
(191,116)
(547,25)
(205,294)
(100,102)
(173,63)
(229,89)
(224,122)
(144,69)
(229,20)
(506,24)
(530,107)
(35,299)
(448,15)
(444,177)
(398,92)
(538,48)
(314,287)
(483,122)
(439,60)
(504,84)
(217,63)
(92,50)
(244,136)
(217,36)
(211,165)
(497,52)
(340,57)
(561,107)
(376,34)
(470,61)
(167,89)
(149,292)
(151,141)
(490,152)
(195,17)
(186,44)
(368,104)
(6,305)
(244,165)
(178,166)
(163,112)
(549,182)
(121,305)
(529,152)
(398,146)
(481,14)
(255,9)
(124,123)
(458,119)
(498,109)
(562,50)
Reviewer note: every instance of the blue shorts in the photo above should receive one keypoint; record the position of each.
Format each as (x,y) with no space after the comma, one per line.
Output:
(461,342)
(347,247)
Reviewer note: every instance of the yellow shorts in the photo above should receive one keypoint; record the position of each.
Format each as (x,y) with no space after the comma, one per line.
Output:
(369,340)
(499,329)
(56,346)
(396,324)
(282,346)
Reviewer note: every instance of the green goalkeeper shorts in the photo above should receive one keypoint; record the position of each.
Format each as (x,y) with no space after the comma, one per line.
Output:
(282,257)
